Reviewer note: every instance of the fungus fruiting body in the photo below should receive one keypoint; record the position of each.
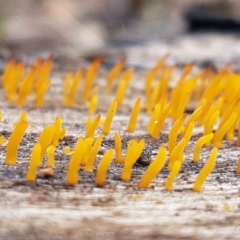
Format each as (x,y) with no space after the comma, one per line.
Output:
(133,153)
(174,172)
(93,126)
(200,142)
(118,148)
(46,138)
(109,117)
(34,163)
(206,170)
(93,104)
(174,132)
(219,134)
(103,167)
(73,167)
(50,154)
(159,125)
(154,118)
(114,72)
(133,117)
(14,141)
(93,153)
(177,153)
(154,168)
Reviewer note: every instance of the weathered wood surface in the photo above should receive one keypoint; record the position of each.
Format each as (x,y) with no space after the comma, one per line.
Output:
(49,209)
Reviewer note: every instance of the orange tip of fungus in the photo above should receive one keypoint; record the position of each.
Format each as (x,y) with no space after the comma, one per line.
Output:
(103,167)
(206,170)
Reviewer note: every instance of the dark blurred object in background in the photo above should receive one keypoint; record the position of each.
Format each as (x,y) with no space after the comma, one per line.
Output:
(214,16)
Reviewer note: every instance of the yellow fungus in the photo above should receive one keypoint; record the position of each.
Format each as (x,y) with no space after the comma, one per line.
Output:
(34,163)
(208,126)
(120,94)
(44,72)
(58,128)
(209,114)
(230,132)
(174,132)
(134,151)
(172,175)
(152,100)
(26,86)
(88,123)
(39,101)
(133,117)
(154,168)
(62,133)
(238,166)
(148,84)
(92,128)
(188,132)
(177,153)
(228,112)
(127,75)
(118,148)
(93,104)
(14,141)
(50,155)
(109,117)
(93,154)
(206,170)
(158,127)
(219,134)
(89,79)
(154,118)
(200,142)
(46,138)
(193,117)
(86,147)
(7,72)
(113,74)
(74,87)
(22,118)
(103,167)
(14,83)
(66,86)
(73,167)
(67,151)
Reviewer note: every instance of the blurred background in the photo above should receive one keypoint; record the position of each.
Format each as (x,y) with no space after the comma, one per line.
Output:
(78,27)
